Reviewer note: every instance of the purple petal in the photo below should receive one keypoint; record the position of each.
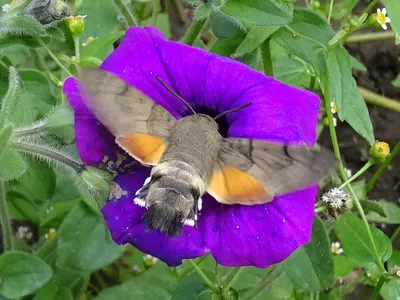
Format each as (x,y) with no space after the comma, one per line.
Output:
(267,233)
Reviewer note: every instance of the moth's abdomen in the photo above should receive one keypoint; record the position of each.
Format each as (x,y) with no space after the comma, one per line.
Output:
(172,197)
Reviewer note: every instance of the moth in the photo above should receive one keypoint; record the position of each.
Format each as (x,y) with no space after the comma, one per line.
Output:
(189,157)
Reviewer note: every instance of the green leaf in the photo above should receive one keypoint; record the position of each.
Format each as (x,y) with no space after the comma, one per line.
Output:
(57,212)
(254,38)
(260,13)
(393,8)
(392,211)
(162,24)
(136,288)
(306,37)
(193,287)
(5,135)
(356,244)
(343,8)
(315,260)
(84,241)
(291,71)
(12,165)
(359,189)
(22,274)
(343,265)
(223,25)
(9,101)
(396,82)
(351,105)
(18,54)
(373,206)
(37,183)
(357,65)
(60,122)
(101,47)
(54,290)
(391,290)
(102,18)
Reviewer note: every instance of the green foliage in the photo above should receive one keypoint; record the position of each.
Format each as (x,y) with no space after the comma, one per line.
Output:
(292,42)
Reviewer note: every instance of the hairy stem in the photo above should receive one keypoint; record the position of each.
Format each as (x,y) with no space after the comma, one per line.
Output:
(359,172)
(126,13)
(369,37)
(271,275)
(51,54)
(233,275)
(36,129)
(5,219)
(203,276)
(193,31)
(377,99)
(77,48)
(49,154)
(382,167)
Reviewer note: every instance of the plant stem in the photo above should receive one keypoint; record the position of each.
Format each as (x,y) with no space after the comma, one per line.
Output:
(156,8)
(77,48)
(267,58)
(343,173)
(320,209)
(193,31)
(5,219)
(233,275)
(395,234)
(370,6)
(47,247)
(203,276)
(377,99)
(382,167)
(126,13)
(49,154)
(273,273)
(359,172)
(378,287)
(36,129)
(330,11)
(368,37)
(51,54)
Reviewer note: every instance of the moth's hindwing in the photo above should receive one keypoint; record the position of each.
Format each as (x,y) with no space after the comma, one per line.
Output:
(140,125)
(253,171)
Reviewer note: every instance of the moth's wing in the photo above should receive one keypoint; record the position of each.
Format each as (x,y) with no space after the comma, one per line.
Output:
(140,125)
(253,171)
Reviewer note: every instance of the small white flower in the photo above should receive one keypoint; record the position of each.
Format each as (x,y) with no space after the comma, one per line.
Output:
(22,232)
(51,234)
(333,107)
(149,260)
(6,7)
(87,42)
(336,248)
(382,19)
(337,199)
(349,173)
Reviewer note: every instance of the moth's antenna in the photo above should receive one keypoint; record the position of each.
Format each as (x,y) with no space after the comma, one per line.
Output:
(232,110)
(175,94)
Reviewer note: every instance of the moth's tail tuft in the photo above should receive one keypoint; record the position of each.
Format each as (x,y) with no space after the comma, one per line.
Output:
(164,218)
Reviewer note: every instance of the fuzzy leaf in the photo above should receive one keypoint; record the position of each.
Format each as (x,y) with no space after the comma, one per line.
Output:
(193,287)
(5,135)
(373,206)
(392,211)
(315,259)
(22,274)
(291,71)
(12,165)
(223,25)
(8,103)
(260,13)
(356,243)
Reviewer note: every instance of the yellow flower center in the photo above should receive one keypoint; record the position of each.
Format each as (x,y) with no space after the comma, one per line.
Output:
(381,17)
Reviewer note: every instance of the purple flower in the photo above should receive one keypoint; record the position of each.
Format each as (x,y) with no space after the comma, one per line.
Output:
(258,235)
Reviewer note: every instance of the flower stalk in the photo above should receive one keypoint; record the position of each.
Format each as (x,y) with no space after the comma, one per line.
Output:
(126,13)
(51,54)
(378,287)
(273,273)
(232,277)
(344,175)
(34,130)
(368,164)
(369,37)
(193,31)
(382,167)
(382,101)
(5,218)
(203,276)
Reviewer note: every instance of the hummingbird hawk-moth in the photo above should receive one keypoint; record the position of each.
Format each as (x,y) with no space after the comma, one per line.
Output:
(189,157)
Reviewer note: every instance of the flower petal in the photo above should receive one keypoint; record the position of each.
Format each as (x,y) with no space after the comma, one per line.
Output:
(124,219)
(384,10)
(384,26)
(387,20)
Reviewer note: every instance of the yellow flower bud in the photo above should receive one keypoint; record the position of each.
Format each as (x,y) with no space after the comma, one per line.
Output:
(76,24)
(379,152)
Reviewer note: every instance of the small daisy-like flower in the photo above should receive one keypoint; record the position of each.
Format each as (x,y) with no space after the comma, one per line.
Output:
(349,173)
(396,270)
(149,260)
(6,7)
(336,248)
(22,232)
(51,234)
(136,269)
(382,18)
(333,107)
(88,41)
(337,199)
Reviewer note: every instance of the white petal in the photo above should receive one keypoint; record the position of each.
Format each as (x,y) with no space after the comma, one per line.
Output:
(384,11)
(333,110)
(387,20)
(378,11)
(384,26)
(332,104)
(340,251)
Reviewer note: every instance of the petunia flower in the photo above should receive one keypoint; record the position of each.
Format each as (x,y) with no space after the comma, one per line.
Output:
(236,235)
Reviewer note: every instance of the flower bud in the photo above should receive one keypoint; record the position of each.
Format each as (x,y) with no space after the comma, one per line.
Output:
(316,4)
(97,180)
(76,24)
(149,260)
(353,24)
(372,21)
(379,151)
